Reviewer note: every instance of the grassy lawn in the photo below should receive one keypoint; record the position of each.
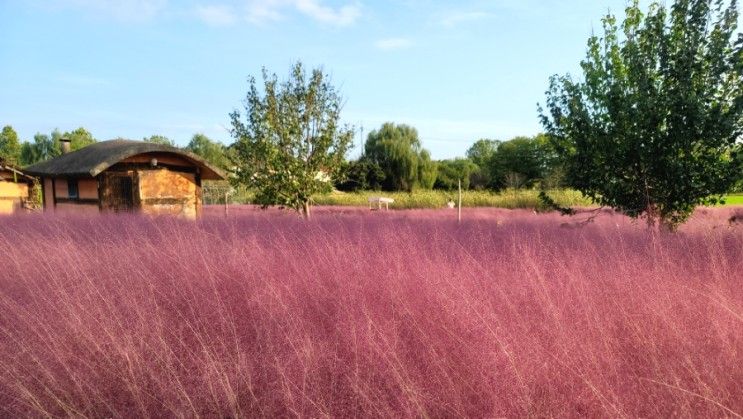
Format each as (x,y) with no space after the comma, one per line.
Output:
(735,199)
(438,199)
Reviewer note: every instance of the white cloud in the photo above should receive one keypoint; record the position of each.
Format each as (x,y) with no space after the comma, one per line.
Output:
(390,44)
(261,11)
(216,15)
(454,19)
(125,10)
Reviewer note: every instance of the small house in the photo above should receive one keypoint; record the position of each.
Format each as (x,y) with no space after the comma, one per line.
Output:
(125,176)
(16,188)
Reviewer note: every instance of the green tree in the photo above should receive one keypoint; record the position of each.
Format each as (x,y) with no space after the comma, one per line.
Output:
(398,152)
(79,138)
(42,148)
(10,147)
(480,153)
(427,170)
(291,145)
(159,139)
(450,172)
(521,161)
(212,151)
(360,175)
(651,128)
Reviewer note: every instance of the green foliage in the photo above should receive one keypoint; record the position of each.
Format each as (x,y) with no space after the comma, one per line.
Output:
(42,148)
(362,174)
(481,153)
(10,147)
(159,139)
(517,163)
(427,170)
(79,138)
(397,150)
(450,172)
(651,129)
(291,145)
(45,147)
(522,198)
(211,151)
(520,162)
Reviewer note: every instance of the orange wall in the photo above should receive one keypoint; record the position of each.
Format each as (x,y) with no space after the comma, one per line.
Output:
(11,194)
(162,191)
(88,188)
(60,185)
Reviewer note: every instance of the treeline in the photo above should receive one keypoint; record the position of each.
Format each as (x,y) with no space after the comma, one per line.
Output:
(46,146)
(393,159)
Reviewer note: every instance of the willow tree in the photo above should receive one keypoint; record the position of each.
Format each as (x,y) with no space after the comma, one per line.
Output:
(652,127)
(291,145)
(398,151)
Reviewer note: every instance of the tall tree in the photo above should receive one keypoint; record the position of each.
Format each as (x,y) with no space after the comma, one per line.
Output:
(79,138)
(159,139)
(42,148)
(10,147)
(651,128)
(291,145)
(481,153)
(398,152)
(212,151)
(450,172)
(528,159)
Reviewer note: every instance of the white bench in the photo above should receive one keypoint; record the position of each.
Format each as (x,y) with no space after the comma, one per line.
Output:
(378,200)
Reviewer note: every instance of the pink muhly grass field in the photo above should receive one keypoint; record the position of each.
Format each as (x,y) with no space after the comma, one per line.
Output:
(354,313)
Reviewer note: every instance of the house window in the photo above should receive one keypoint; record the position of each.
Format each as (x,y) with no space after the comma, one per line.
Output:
(72,191)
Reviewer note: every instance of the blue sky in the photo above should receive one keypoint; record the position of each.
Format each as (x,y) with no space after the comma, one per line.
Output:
(457,71)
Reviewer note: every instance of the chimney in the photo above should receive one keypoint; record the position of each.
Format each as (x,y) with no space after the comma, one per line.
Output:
(65,143)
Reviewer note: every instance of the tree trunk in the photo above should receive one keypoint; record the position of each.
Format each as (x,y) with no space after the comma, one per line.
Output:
(306,210)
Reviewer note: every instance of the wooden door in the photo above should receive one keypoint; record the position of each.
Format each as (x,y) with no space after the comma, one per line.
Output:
(118,192)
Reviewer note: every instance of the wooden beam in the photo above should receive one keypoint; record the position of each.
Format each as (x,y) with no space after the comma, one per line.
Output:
(54,192)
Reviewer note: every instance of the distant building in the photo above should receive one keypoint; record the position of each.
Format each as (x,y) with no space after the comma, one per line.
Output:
(15,189)
(125,176)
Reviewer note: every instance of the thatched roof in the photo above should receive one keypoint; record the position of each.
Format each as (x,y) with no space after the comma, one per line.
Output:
(13,171)
(97,157)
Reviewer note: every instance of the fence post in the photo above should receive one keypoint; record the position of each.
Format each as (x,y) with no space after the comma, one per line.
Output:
(226,205)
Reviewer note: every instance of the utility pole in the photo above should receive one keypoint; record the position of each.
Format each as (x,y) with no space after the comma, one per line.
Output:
(459,211)
(361,139)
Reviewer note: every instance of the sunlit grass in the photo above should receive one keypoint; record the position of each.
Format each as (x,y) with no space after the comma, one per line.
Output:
(734,199)
(434,199)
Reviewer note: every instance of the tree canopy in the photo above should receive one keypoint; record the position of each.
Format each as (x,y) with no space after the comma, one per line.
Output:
(651,128)
(159,139)
(521,162)
(450,172)
(10,146)
(397,150)
(291,144)
(212,151)
(79,138)
(44,147)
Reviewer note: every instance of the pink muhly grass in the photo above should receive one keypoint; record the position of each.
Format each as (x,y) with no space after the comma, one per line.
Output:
(388,314)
